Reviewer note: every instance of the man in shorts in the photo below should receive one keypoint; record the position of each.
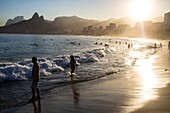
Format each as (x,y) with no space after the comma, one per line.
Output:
(35,79)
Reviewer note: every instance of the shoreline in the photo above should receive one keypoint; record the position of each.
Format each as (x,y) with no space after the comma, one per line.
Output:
(131,93)
(101,95)
(162,102)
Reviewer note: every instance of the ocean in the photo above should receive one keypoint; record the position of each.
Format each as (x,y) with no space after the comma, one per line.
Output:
(97,56)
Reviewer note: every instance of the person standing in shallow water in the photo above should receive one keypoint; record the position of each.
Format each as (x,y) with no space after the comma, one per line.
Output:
(73,65)
(169,45)
(35,79)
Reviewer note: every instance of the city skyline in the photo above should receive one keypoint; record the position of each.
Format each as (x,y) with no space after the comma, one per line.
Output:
(94,9)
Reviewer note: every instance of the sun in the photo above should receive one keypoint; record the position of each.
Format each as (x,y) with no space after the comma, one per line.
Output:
(140,9)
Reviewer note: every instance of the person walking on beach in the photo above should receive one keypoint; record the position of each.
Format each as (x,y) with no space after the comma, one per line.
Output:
(155,45)
(73,65)
(35,79)
(128,46)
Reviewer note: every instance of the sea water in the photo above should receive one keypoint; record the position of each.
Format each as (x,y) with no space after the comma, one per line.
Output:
(96,56)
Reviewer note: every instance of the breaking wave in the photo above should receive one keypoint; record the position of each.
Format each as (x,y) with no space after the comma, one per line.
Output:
(22,70)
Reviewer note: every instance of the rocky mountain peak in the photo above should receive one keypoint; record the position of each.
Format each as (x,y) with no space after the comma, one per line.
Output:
(35,16)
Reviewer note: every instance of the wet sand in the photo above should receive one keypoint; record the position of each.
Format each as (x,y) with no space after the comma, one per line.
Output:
(159,105)
(162,103)
(143,90)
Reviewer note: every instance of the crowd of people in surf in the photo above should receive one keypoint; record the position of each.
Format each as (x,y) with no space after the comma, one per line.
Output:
(161,45)
(129,45)
(96,43)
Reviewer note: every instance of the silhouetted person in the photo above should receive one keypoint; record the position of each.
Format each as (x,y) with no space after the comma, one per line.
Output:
(128,46)
(73,65)
(155,45)
(35,79)
(96,43)
(35,44)
(169,45)
(106,45)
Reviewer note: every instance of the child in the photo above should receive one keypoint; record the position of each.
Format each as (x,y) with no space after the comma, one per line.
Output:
(73,65)
(35,79)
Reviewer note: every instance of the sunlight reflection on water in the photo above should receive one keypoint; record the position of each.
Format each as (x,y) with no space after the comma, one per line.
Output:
(148,82)
(148,78)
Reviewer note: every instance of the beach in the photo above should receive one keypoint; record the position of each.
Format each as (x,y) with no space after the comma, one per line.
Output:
(143,90)
(162,103)
(85,57)
(159,105)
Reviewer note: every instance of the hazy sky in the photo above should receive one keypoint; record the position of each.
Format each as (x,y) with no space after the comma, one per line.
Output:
(90,9)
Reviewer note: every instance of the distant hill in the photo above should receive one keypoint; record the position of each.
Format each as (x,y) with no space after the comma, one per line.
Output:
(72,24)
(124,20)
(35,25)
(15,20)
(158,19)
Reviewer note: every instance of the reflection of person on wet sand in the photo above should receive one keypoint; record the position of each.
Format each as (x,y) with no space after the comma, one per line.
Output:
(37,110)
(76,93)
(160,45)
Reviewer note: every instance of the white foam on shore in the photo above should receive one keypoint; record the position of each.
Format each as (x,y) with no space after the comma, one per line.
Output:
(22,70)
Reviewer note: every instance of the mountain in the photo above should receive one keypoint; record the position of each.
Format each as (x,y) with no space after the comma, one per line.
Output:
(15,20)
(61,25)
(72,24)
(35,25)
(124,20)
(158,19)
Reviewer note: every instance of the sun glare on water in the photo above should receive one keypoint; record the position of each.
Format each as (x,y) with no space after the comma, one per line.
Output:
(140,9)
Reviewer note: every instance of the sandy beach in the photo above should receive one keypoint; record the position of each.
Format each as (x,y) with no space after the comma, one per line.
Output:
(159,105)
(144,90)
(85,56)
(162,103)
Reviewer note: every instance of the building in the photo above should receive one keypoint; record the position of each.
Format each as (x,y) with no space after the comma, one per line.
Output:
(166,22)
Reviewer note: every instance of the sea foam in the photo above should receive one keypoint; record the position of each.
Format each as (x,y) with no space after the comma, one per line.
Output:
(22,70)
